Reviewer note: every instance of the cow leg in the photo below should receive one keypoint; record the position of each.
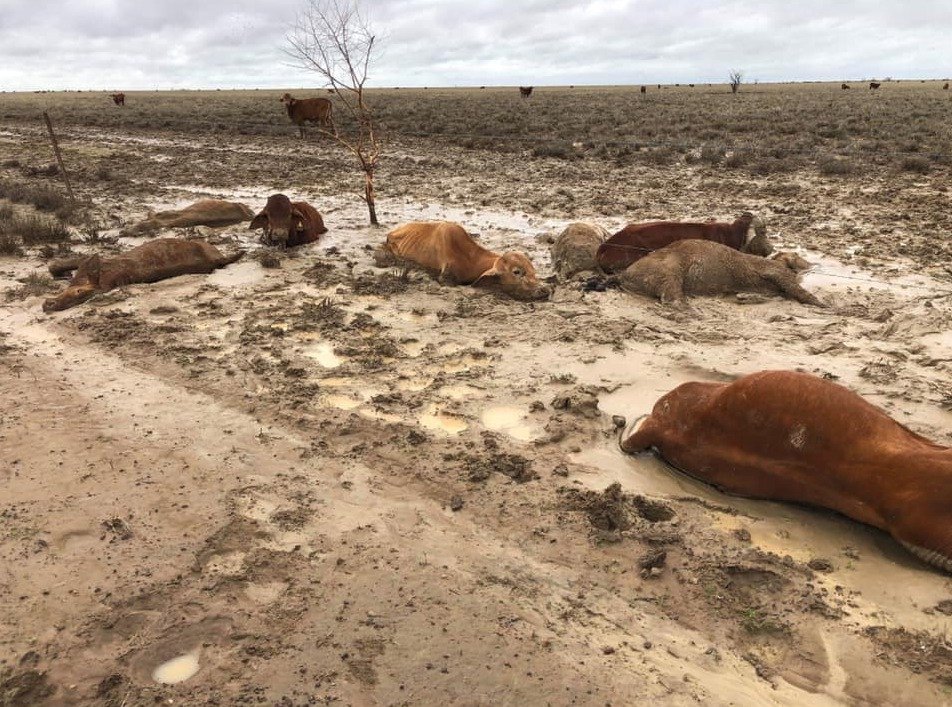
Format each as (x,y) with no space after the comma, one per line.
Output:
(670,289)
(787,284)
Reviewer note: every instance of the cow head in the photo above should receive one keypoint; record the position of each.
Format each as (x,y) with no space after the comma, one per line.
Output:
(85,284)
(514,274)
(792,261)
(278,219)
(286,99)
(755,240)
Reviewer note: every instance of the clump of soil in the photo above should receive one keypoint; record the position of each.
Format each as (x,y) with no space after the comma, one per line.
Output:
(613,512)
(919,651)
(27,687)
(382,284)
(516,467)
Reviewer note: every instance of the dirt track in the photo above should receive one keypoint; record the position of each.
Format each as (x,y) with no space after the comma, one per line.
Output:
(331,484)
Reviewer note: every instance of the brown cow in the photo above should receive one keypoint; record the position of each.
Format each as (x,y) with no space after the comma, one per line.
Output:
(636,240)
(789,436)
(444,249)
(206,212)
(118,98)
(696,267)
(150,262)
(525,91)
(644,89)
(873,85)
(945,87)
(309,110)
(288,223)
(844,87)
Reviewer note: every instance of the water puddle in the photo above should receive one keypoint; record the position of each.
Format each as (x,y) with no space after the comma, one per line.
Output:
(240,274)
(437,421)
(509,420)
(177,670)
(324,354)
(829,273)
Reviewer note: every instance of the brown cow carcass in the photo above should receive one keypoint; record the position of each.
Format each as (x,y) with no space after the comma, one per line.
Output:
(790,436)
(447,251)
(696,267)
(206,212)
(150,262)
(289,223)
(118,98)
(574,250)
(636,240)
(309,110)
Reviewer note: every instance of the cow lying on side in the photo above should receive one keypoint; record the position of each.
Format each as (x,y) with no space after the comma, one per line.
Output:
(207,212)
(288,223)
(636,240)
(309,110)
(574,250)
(789,436)
(707,268)
(445,250)
(150,262)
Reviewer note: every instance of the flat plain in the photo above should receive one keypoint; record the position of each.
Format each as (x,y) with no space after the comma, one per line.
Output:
(327,482)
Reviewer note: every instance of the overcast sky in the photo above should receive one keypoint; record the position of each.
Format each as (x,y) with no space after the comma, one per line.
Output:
(148,44)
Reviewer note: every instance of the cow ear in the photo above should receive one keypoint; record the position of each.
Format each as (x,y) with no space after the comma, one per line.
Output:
(493,271)
(259,221)
(297,220)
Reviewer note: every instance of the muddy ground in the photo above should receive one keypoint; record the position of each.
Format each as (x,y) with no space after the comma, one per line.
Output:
(324,482)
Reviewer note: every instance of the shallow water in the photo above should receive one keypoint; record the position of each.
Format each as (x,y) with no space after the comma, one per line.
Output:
(324,354)
(178,669)
(437,421)
(509,420)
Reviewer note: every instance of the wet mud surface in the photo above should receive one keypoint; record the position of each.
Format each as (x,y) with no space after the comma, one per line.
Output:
(304,479)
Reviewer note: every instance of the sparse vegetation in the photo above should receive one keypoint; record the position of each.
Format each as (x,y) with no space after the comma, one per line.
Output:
(28,229)
(917,163)
(32,285)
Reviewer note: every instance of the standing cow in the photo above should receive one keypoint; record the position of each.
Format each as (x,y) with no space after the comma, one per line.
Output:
(525,91)
(873,85)
(312,110)
(118,98)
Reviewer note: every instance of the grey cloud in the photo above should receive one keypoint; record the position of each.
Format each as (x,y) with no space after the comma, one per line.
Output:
(130,44)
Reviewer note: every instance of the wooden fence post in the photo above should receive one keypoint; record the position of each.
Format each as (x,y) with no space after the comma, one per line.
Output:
(59,157)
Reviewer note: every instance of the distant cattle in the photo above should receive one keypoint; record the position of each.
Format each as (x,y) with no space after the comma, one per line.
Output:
(447,251)
(636,240)
(150,262)
(331,91)
(288,223)
(525,91)
(691,85)
(792,436)
(844,87)
(644,89)
(118,98)
(873,85)
(309,110)
(946,86)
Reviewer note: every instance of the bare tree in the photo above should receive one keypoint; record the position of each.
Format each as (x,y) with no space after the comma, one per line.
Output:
(736,76)
(334,39)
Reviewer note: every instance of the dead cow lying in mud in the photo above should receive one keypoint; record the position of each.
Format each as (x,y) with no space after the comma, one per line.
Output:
(574,250)
(789,436)
(708,268)
(150,262)
(445,250)
(288,223)
(747,234)
(207,212)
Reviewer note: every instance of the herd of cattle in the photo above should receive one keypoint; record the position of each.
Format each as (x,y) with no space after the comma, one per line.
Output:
(777,435)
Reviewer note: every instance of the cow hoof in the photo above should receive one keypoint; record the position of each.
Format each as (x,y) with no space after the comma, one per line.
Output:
(627,431)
